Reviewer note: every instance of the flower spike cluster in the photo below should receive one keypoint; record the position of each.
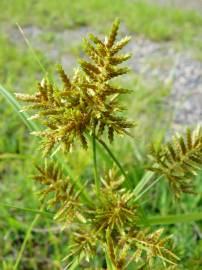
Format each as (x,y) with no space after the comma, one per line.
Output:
(89,102)
(179,161)
(111,224)
(60,192)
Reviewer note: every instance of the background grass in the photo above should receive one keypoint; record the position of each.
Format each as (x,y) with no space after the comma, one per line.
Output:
(19,72)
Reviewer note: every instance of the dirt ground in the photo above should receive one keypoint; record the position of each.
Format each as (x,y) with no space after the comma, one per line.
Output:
(188,4)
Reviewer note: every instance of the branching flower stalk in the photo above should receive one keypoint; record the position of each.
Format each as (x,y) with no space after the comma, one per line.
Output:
(116,161)
(110,224)
(96,176)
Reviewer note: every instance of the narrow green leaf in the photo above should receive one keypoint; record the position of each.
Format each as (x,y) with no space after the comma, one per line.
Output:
(12,156)
(108,261)
(16,106)
(147,188)
(27,209)
(27,237)
(143,182)
(75,263)
(172,219)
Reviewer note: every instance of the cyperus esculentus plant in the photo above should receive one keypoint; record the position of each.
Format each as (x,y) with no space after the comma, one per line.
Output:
(108,221)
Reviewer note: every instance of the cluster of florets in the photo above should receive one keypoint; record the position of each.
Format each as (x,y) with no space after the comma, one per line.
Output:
(110,219)
(86,104)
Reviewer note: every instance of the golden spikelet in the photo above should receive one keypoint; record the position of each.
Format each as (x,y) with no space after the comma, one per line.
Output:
(180,160)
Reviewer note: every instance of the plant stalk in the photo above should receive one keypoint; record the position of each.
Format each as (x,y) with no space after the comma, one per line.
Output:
(97,180)
(108,262)
(112,156)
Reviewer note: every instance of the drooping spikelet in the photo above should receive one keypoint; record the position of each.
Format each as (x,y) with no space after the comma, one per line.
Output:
(141,246)
(155,246)
(60,192)
(89,102)
(179,160)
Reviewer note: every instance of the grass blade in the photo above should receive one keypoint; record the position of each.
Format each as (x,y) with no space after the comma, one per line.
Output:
(27,209)
(31,49)
(27,236)
(145,179)
(16,106)
(172,219)
(147,188)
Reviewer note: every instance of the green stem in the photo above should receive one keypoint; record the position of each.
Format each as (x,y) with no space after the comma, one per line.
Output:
(31,49)
(75,182)
(97,180)
(108,262)
(76,262)
(148,188)
(112,156)
(172,219)
(12,156)
(27,236)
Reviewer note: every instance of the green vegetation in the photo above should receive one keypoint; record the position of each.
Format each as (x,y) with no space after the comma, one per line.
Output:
(156,22)
(47,245)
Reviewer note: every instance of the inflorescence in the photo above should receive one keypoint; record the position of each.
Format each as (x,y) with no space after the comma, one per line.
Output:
(109,224)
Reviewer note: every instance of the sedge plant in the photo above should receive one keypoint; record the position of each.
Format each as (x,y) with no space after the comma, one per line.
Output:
(108,228)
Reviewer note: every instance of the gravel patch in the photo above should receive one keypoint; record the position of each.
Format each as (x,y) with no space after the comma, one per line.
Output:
(55,46)
(195,5)
(161,62)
